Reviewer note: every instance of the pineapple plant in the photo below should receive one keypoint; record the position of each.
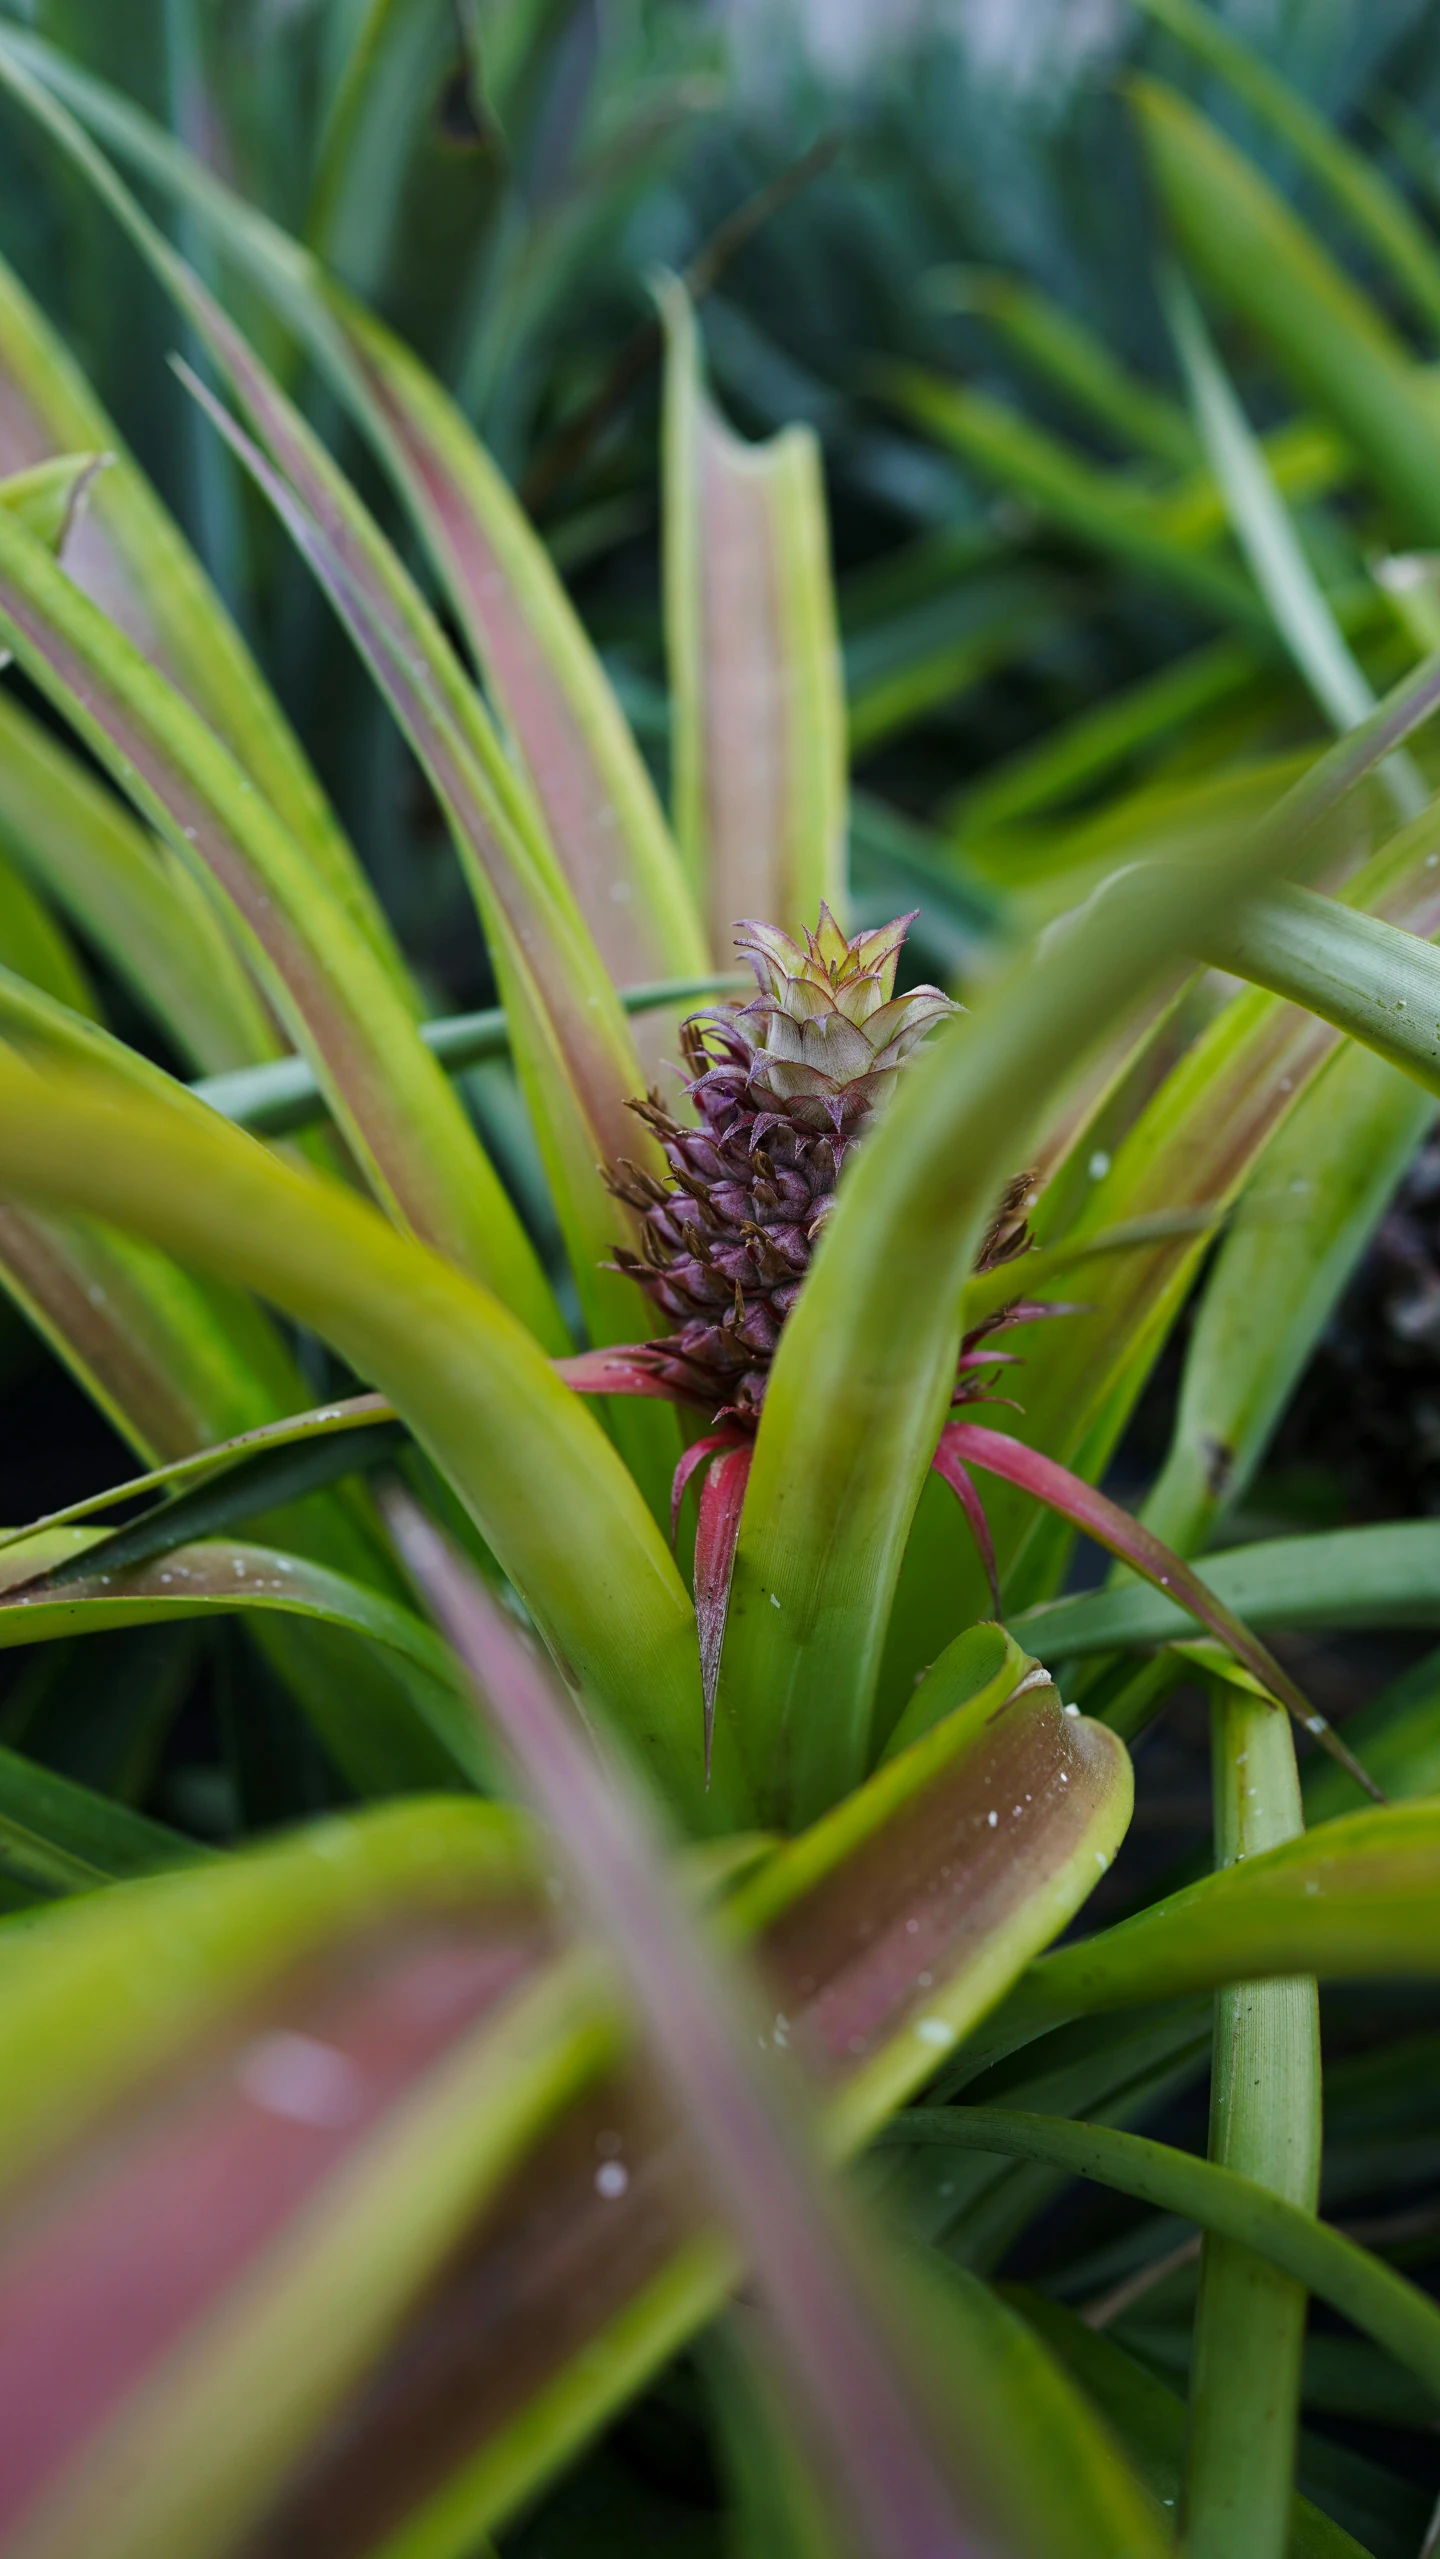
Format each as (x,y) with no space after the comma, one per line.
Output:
(461,2165)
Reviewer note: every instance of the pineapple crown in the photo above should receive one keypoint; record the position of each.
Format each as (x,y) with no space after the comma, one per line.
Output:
(832,1033)
(782,1088)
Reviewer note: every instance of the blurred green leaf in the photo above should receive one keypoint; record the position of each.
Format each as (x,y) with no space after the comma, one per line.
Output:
(179,1363)
(406,145)
(129,555)
(1087,750)
(1398,1734)
(284,1095)
(1309,1211)
(49,497)
(1377,210)
(842,2357)
(1064,352)
(594,793)
(1355,1900)
(349,1899)
(1244,240)
(1061,2483)
(1297,601)
(1372,980)
(62,1838)
(35,947)
(1097,507)
(1150,2419)
(899,670)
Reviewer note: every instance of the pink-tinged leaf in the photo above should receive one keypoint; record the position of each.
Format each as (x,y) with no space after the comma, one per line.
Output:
(883,1936)
(952,1471)
(316,1999)
(758,705)
(839,2366)
(392,1098)
(573,1049)
(100,2284)
(695,1455)
(722,1499)
(129,556)
(569,1034)
(376,2002)
(594,791)
(1134,1544)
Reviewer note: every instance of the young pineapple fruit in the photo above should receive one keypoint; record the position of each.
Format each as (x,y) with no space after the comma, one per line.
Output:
(783,1088)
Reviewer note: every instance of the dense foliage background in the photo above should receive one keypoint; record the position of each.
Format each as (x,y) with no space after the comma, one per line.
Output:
(938,238)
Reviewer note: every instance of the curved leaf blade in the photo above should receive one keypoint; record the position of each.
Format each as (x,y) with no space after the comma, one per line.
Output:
(388,1095)
(62,1838)
(1383,1575)
(865,1367)
(1369,2292)
(548,1492)
(1298,605)
(225,1575)
(840,2367)
(1371,979)
(1358,1899)
(277,1098)
(829,1917)
(307,1942)
(592,786)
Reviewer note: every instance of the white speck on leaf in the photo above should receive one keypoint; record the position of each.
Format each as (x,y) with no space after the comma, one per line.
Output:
(302,2080)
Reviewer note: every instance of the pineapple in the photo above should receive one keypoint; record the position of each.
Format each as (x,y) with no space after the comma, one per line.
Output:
(784,1090)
